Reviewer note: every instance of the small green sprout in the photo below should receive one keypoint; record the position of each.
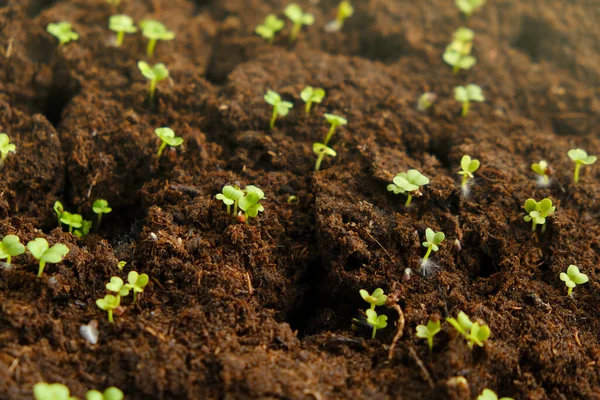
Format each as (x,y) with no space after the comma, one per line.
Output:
(279,107)
(408,183)
(156,73)
(100,207)
(62,31)
(489,394)
(468,166)
(51,391)
(429,331)
(543,170)
(378,322)
(293,199)
(269,28)
(109,303)
(434,239)
(112,393)
(468,7)
(334,121)
(230,195)
(250,202)
(573,278)
(466,95)
(457,60)
(344,11)
(426,100)
(154,31)
(168,138)
(113,2)
(580,157)
(42,252)
(537,212)
(59,209)
(86,227)
(121,265)
(298,18)
(71,220)
(311,95)
(5,147)
(463,40)
(377,298)
(11,246)
(121,24)
(474,332)
(322,150)
(117,286)
(136,283)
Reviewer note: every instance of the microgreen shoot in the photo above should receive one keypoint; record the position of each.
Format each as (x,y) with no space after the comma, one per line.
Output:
(100,206)
(334,121)
(121,265)
(111,393)
(408,183)
(573,278)
(5,147)
(113,2)
(121,24)
(466,95)
(71,220)
(377,298)
(109,303)
(580,157)
(86,227)
(537,212)
(457,60)
(136,282)
(59,209)
(322,150)
(426,100)
(230,195)
(468,7)
(51,391)
(11,246)
(117,286)
(429,331)
(250,202)
(298,17)
(62,31)
(434,239)
(156,73)
(42,252)
(543,170)
(474,332)
(154,31)
(377,321)
(168,138)
(279,107)
(344,11)
(311,95)
(270,27)
(292,199)
(489,394)
(468,166)
(458,52)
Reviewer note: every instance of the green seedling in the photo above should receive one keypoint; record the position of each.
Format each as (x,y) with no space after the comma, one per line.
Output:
(462,40)
(250,202)
(59,209)
(321,150)
(468,7)
(344,11)
(86,227)
(11,246)
(121,265)
(100,207)
(434,239)
(292,199)
(117,286)
(537,212)
(62,31)
(311,95)
(457,60)
(468,166)
(429,331)
(168,138)
(269,28)
(51,391)
(298,18)
(426,100)
(334,121)
(112,393)
(489,394)
(154,31)
(121,24)
(109,303)
(71,220)
(543,170)
(408,183)
(573,278)
(230,195)
(466,95)
(377,298)
(377,321)
(279,107)
(580,157)
(42,252)
(156,73)
(475,332)
(136,283)
(113,2)
(5,147)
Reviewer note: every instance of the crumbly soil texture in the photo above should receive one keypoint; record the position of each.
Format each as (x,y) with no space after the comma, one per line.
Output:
(264,310)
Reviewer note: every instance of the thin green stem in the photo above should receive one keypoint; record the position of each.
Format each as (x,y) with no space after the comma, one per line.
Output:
(576,174)
(161,148)
(295,31)
(465,179)
(455,70)
(428,253)
(8,258)
(70,228)
(151,47)
(330,134)
(228,208)
(41,269)
(543,227)
(570,292)
(110,316)
(408,200)
(235,208)
(134,296)
(319,160)
(120,38)
(152,90)
(307,108)
(99,221)
(465,109)
(374,332)
(533,224)
(273,118)
(430,343)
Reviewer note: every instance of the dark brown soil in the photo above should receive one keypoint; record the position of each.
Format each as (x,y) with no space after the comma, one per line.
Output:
(264,310)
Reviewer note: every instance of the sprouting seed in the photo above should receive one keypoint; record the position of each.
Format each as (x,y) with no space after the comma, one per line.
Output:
(5,147)
(468,166)
(580,157)
(168,138)
(100,207)
(109,303)
(344,11)
(468,7)
(11,246)
(429,331)
(426,100)
(377,298)
(136,282)
(322,150)
(466,95)
(434,239)
(298,17)
(377,321)
(62,31)
(42,252)
(311,95)
(542,169)
(51,391)
(280,107)
(270,27)
(408,183)
(334,121)
(230,195)
(121,24)
(71,220)
(154,31)
(573,278)
(538,212)
(111,393)
(156,73)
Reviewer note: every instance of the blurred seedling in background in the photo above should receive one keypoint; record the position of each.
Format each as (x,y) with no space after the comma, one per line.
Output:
(51,391)
(377,298)
(121,24)
(468,166)
(279,107)
(434,239)
(458,52)
(429,331)
(270,27)
(466,95)
(344,11)
(250,202)
(136,283)
(474,332)
(537,212)
(113,2)
(468,7)
(86,227)
(109,303)
(5,147)
(489,394)
(377,321)
(62,31)
(311,95)
(168,138)
(117,286)
(580,157)
(154,74)
(112,393)
(230,195)
(573,278)
(11,246)
(121,265)
(408,183)
(321,150)
(59,209)
(334,121)
(73,221)
(426,100)
(100,206)
(42,252)
(542,169)
(298,17)
(154,31)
